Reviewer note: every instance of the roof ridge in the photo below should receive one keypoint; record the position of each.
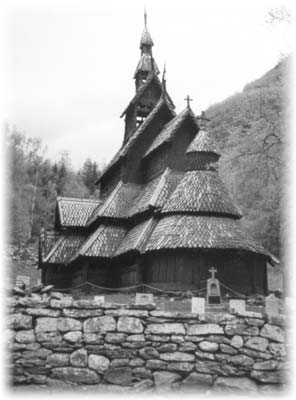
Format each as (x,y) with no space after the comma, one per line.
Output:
(110,198)
(178,120)
(54,248)
(150,223)
(89,241)
(159,187)
(82,199)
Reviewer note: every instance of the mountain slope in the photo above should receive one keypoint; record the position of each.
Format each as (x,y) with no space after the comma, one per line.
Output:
(250,128)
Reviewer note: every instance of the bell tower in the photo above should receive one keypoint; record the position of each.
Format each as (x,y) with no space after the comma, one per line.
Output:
(147,85)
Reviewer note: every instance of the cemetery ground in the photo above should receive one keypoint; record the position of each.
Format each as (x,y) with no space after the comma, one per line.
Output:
(22,261)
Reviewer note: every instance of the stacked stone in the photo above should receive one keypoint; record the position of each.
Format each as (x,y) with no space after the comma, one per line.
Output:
(59,339)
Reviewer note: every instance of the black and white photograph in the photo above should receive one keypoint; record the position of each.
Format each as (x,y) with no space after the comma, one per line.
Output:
(146,222)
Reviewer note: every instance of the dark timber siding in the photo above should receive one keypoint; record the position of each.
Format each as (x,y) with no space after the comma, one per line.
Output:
(155,164)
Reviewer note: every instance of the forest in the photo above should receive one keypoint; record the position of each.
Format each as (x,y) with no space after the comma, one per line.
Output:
(249,127)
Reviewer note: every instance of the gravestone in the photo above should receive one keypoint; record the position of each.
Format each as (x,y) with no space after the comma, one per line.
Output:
(22,279)
(144,298)
(237,306)
(99,299)
(198,305)
(272,305)
(213,289)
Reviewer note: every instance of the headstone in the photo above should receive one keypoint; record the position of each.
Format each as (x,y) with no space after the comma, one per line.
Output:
(213,289)
(22,279)
(99,299)
(272,305)
(198,305)
(237,306)
(144,298)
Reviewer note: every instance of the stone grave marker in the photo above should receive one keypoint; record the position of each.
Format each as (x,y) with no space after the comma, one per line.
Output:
(22,279)
(99,299)
(272,305)
(144,298)
(198,305)
(237,306)
(213,289)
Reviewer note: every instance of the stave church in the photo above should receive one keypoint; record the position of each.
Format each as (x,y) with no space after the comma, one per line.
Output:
(164,217)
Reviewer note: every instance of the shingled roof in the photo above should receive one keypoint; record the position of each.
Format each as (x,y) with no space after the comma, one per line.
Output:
(120,201)
(137,133)
(103,242)
(203,143)
(155,193)
(136,237)
(75,212)
(201,192)
(169,130)
(201,232)
(64,249)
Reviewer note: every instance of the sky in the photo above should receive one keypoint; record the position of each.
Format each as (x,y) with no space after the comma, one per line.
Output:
(69,65)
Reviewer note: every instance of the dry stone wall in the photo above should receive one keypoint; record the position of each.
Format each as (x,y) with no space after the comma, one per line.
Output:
(54,339)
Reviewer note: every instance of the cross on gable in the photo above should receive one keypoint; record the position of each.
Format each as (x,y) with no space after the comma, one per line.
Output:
(212,271)
(188,99)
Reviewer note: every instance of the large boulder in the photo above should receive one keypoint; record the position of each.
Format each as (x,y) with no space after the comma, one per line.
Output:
(273,332)
(204,329)
(257,343)
(177,356)
(99,324)
(58,360)
(25,336)
(79,358)
(20,321)
(234,385)
(75,375)
(210,347)
(98,363)
(119,376)
(166,329)
(129,325)
(69,324)
(164,378)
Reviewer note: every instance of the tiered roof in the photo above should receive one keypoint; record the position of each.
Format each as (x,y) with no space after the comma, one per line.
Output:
(103,242)
(200,232)
(202,143)
(169,130)
(75,212)
(201,192)
(175,210)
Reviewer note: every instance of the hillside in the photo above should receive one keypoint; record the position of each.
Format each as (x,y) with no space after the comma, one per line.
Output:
(250,128)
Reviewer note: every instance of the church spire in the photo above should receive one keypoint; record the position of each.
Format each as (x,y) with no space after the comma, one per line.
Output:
(146,63)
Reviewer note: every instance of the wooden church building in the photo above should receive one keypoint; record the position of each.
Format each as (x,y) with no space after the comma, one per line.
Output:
(164,217)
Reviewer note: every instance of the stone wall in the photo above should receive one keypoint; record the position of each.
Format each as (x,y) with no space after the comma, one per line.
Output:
(54,338)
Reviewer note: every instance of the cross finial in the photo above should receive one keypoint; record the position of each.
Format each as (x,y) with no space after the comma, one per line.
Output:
(212,271)
(188,99)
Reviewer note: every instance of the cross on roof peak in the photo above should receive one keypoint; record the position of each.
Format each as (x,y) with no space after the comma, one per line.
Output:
(213,271)
(188,99)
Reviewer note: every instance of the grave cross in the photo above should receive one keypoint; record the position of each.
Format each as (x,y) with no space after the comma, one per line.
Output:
(213,271)
(188,99)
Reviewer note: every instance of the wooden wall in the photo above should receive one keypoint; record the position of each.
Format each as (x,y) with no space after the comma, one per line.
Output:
(240,271)
(155,164)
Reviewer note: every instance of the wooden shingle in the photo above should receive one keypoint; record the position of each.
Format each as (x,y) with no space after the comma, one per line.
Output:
(201,192)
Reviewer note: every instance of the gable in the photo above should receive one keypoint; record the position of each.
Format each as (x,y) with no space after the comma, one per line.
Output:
(74,212)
